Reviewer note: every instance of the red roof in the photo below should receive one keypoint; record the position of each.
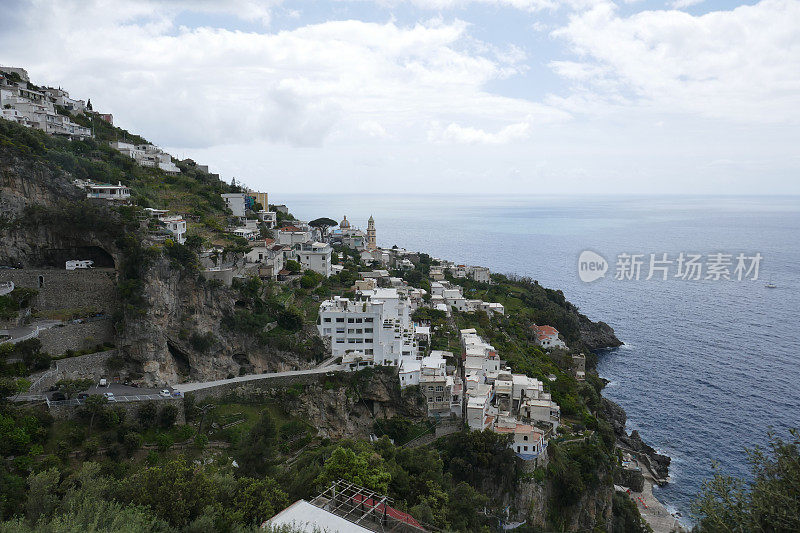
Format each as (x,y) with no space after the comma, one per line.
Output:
(390,511)
(545,331)
(290,228)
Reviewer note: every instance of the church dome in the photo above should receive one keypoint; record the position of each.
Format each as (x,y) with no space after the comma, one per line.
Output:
(344,224)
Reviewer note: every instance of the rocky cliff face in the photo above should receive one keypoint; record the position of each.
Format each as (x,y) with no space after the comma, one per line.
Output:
(350,412)
(633,442)
(161,342)
(597,335)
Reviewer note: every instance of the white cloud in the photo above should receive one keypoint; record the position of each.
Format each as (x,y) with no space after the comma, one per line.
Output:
(470,135)
(742,64)
(678,4)
(206,86)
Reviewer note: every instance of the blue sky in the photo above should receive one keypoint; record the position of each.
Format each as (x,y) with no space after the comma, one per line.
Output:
(529,96)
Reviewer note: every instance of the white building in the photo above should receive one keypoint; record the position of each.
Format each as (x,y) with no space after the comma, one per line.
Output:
(547,337)
(314,256)
(36,109)
(292,235)
(236,202)
(147,155)
(105,191)
(480,274)
(377,322)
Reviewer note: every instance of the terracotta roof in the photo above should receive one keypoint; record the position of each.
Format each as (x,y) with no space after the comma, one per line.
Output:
(544,331)
(284,272)
(290,228)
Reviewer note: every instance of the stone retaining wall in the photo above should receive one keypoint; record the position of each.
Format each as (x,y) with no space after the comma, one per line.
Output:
(65,412)
(92,366)
(67,289)
(57,340)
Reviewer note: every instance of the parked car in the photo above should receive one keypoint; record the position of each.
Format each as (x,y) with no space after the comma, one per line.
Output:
(165,393)
(83,395)
(58,396)
(110,396)
(103,382)
(176,394)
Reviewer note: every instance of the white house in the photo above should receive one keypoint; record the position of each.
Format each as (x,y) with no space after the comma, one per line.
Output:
(291,235)
(480,274)
(547,337)
(235,201)
(105,191)
(315,256)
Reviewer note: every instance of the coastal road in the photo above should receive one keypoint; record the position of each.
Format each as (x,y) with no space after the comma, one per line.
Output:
(190,387)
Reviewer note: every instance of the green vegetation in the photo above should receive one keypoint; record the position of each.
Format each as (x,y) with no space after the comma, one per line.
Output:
(23,358)
(13,302)
(768,501)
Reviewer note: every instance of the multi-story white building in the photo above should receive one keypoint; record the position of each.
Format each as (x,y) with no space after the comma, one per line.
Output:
(377,322)
(292,235)
(314,256)
(235,201)
(479,273)
(148,155)
(36,109)
(506,403)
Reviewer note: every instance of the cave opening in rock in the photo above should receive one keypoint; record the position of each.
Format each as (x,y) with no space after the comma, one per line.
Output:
(57,257)
(181,359)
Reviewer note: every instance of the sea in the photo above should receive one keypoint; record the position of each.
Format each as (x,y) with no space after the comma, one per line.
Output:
(708,367)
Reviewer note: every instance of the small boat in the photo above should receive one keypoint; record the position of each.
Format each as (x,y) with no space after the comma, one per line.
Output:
(770,285)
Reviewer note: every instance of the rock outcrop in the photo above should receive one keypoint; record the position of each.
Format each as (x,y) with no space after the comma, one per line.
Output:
(616,416)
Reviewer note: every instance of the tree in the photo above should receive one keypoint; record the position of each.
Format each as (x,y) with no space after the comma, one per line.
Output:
(323,224)
(94,405)
(292,266)
(258,499)
(168,415)
(257,450)
(770,501)
(364,468)
(146,415)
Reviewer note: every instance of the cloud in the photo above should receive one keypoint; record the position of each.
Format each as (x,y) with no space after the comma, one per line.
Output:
(742,64)
(678,4)
(468,135)
(197,87)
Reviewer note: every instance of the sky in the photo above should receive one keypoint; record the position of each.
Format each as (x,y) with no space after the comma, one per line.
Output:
(439,96)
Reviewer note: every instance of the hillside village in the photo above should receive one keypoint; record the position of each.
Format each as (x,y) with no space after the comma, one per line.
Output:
(302,308)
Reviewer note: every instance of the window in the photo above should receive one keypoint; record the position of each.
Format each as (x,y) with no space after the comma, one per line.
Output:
(439,388)
(367,320)
(438,398)
(351,320)
(430,388)
(340,319)
(339,330)
(326,331)
(430,399)
(368,351)
(339,340)
(359,331)
(525,437)
(525,448)
(351,330)
(359,320)
(367,330)
(327,319)
(41,281)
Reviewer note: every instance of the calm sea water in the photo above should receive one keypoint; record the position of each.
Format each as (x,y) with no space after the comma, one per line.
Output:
(707,367)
